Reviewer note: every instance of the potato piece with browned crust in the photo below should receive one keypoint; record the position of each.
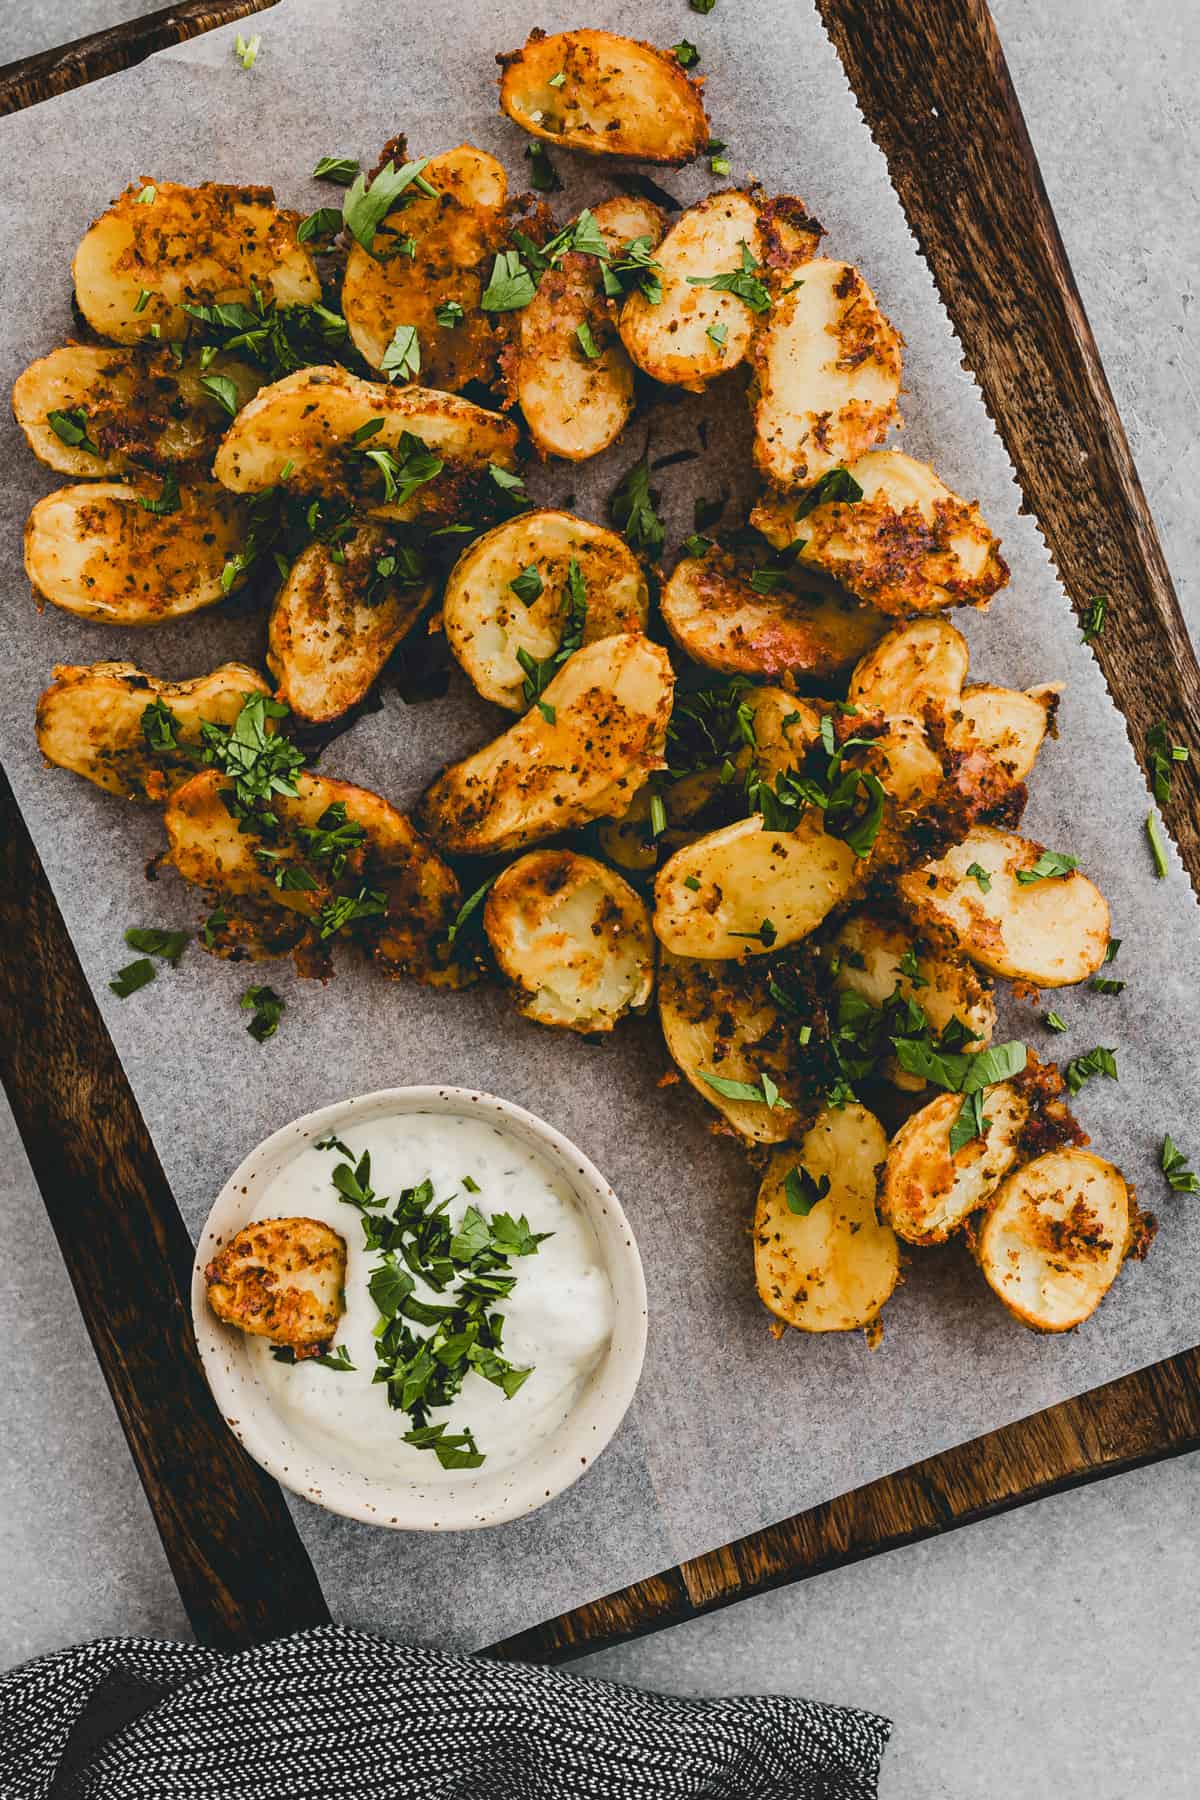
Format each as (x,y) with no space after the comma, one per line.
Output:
(281,1279)
(604,95)
(334,624)
(140,408)
(572,938)
(832,1265)
(575,583)
(576,403)
(129,732)
(696,332)
(928,1191)
(582,752)
(102,550)
(827,366)
(1009,724)
(875,956)
(187,246)
(451,238)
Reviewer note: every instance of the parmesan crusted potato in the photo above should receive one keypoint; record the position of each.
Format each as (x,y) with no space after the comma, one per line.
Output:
(833,1267)
(927,1192)
(827,366)
(334,625)
(452,237)
(1050,933)
(307,424)
(870,950)
(187,246)
(695,333)
(92,720)
(1010,725)
(141,409)
(581,753)
(572,938)
(604,95)
(488,624)
(98,550)
(801,625)
(282,1279)
(576,404)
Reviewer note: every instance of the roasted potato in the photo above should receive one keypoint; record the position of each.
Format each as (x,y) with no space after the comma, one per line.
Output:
(799,626)
(572,938)
(926,1193)
(334,624)
(868,953)
(90,720)
(451,237)
(100,549)
(281,1279)
(827,366)
(1010,725)
(582,752)
(488,624)
(310,425)
(187,246)
(695,333)
(140,409)
(1050,933)
(831,1268)
(604,95)
(576,404)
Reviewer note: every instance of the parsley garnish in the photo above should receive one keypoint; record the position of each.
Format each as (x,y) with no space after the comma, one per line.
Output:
(587,342)
(216,922)
(402,358)
(542,174)
(168,499)
(632,509)
(970,1122)
(634,266)
(278,339)
(835,486)
(702,6)
(72,428)
(159,725)
(405,469)
(468,908)
(1174,1167)
(368,203)
(685,54)
(528,585)
(259,763)
(743,282)
(153,941)
(1080,1069)
(246,49)
(133,976)
(222,390)
(449,315)
(1094,618)
(981,877)
(765,935)
(1051,865)
(1158,848)
(1054,1021)
(802,1191)
(511,285)
(718,334)
(338,169)
(764,1093)
(333,838)
(267,1007)
(345,909)
(697,545)
(852,800)
(1163,755)
(324,223)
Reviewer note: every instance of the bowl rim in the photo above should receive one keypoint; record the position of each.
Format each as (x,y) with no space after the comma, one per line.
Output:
(481,1500)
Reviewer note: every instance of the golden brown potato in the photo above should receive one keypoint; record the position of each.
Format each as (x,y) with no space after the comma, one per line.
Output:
(870,951)
(141,409)
(827,364)
(801,625)
(576,404)
(572,938)
(695,333)
(927,1192)
(187,246)
(1050,933)
(98,550)
(93,721)
(281,1279)
(334,624)
(1010,725)
(582,752)
(604,95)
(488,625)
(451,237)
(833,1267)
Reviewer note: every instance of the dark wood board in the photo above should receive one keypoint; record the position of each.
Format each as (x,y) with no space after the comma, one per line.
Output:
(932,83)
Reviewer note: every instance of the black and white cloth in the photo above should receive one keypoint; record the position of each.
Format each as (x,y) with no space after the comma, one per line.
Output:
(334,1714)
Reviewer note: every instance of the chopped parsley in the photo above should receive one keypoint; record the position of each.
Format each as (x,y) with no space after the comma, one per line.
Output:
(634,267)
(765,935)
(981,877)
(1158,848)
(1163,755)
(278,339)
(133,976)
(223,391)
(368,203)
(1080,1069)
(538,675)
(403,470)
(718,335)
(836,486)
(258,763)
(152,941)
(1094,618)
(346,909)
(743,282)
(762,1093)
(246,49)
(449,315)
(685,54)
(803,1191)
(852,801)
(267,1007)
(159,725)
(632,509)
(528,585)
(468,909)
(333,838)
(1051,865)
(697,545)
(511,285)
(339,169)
(402,358)
(1174,1167)
(326,222)
(1054,1021)
(72,428)
(542,174)
(168,497)
(587,342)
(702,6)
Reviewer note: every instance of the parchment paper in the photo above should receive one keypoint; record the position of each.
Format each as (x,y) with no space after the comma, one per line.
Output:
(730,1430)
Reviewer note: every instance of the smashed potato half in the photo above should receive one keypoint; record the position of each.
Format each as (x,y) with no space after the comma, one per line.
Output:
(489,622)
(875,956)
(833,1267)
(927,1192)
(582,752)
(334,624)
(573,939)
(1054,1238)
(319,424)
(1048,932)
(90,720)
(187,246)
(281,1279)
(100,550)
(696,332)
(140,408)
(604,95)
(798,625)
(428,254)
(576,403)
(827,364)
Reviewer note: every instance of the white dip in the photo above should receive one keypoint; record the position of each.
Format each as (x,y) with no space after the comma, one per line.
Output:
(558,1317)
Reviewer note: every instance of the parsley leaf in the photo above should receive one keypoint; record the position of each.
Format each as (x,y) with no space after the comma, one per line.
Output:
(338,169)
(511,285)
(324,223)
(802,1191)
(969,1123)
(1094,619)
(632,509)
(1163,755)
(168,499)
(1051,865)
(1174,1167)
(1158,848)
(368,204)
(528,585)
(1080,1069)
(133,976)
(743,282)
(835,486)
(685,54)
(402,358)
(267,1007)
(469,907)
(246,49)
(71,427)
(981,877)
(449,315)
(170,945)
(542,174)
(346,909)
(223,390)
(1054,1021)
(764,1093)
(587,342)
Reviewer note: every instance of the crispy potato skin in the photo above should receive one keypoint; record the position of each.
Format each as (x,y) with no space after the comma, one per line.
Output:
(485,622)
(619,97)
(927,1193)
(334,625)
(282,1279)
(95,551)
(575,405)
(611,702)
(90,721)
(669,341)
(454,237)
(573,939)
(188,246)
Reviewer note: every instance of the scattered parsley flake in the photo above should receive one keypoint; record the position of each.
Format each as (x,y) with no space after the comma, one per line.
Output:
(1158,848)
(402,358)
(1051,865)
(1054,1021)
(449,315)
(1174,1166)
(543,176)
(339,169)
(222,390)
(168,497)
(981,877)
(153,941)
(511,285)
(1163,755)
(324,223)
(528,586)
(267,1007)
(1094,619)
(632,509)
(1080,1069)
(685,54)
(743,282)
(71,428)
(133,976)
(763,1094)
(246,49)
(803,1191)
(369,203)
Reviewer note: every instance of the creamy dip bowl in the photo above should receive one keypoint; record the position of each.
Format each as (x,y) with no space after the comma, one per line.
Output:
(576,1312)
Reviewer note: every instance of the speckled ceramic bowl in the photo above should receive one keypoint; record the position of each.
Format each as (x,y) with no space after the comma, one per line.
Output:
(477,1498)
